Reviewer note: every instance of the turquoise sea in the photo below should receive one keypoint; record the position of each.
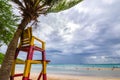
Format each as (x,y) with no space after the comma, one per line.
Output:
(78,70)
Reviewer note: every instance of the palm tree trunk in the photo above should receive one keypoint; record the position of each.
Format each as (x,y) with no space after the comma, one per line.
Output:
(10,53)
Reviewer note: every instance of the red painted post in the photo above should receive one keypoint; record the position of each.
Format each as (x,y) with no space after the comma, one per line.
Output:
(44,65)
(11,78)
(44,77)
(16,75)
(30,53)
(25,78)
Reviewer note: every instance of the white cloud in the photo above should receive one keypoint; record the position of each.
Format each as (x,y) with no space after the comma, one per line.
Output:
(67,33)
(114,31)
(93,57)
(72,26)
(103,57)
(90,30)
(108,2)
(84,29)
(117,52)
(91,46)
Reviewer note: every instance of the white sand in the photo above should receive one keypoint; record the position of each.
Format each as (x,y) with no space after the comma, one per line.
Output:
(69,77)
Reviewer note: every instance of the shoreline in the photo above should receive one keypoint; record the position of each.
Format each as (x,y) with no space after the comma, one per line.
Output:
(94,68)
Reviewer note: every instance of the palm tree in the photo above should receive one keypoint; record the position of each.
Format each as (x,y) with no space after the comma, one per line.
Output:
(31,10)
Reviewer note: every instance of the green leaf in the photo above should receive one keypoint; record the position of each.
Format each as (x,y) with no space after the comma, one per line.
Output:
(60,5)
(7,22)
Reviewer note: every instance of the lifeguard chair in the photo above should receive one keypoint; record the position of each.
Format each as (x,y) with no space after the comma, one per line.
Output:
(27,45)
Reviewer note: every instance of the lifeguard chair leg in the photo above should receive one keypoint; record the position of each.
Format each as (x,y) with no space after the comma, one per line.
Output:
(27,70)
(44,71)
(28,64)
(44,65)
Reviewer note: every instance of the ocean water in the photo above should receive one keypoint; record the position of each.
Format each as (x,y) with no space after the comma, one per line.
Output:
(78,70)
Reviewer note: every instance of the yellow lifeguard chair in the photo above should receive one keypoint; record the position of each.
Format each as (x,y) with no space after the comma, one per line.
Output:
(27,45)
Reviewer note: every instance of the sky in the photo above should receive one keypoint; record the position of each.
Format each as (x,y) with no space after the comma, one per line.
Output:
(88,33)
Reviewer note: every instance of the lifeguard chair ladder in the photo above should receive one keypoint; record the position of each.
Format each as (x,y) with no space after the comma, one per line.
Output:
(27,45)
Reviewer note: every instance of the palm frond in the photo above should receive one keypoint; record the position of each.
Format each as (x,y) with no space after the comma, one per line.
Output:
(60,5)
(18,3)
(33,8)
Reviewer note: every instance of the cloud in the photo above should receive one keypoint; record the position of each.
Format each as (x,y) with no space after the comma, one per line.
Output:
(108,2)
(87,33)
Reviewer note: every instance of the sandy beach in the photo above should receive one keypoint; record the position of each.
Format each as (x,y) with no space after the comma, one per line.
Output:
(69,77)
(52,76)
